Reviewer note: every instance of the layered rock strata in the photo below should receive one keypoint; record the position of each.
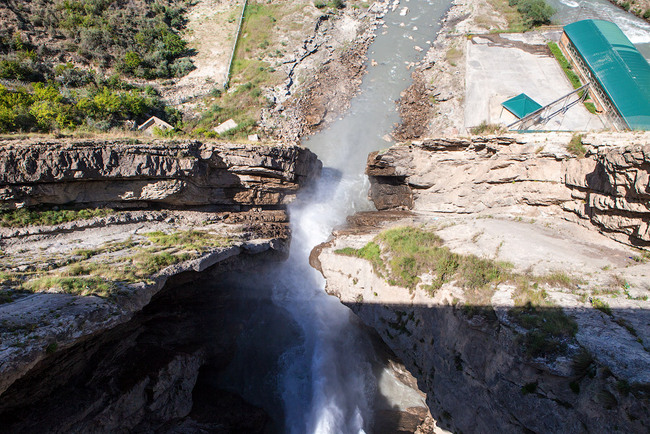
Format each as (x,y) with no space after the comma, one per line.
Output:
(176,209)
(122,174)
(528,202)
(609,188)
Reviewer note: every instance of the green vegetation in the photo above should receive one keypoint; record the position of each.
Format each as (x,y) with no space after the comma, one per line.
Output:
(413,252)
(71,285)
(453,55)
(404,255)
(576,147)
(535,12)
(139,37)
(523,15)
(485,128)
(564,63)
(252,70)
(25,217)
(336,4)
(370,252)
(101,105)
(89,275)
(570,74)
(187,240)
(602,306)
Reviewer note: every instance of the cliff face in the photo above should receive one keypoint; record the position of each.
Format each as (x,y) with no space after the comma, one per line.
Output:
(171,210)
(556,221)
(609,188)
(117,173)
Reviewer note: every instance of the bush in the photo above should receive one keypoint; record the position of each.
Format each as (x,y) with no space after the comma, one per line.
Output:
(536,12)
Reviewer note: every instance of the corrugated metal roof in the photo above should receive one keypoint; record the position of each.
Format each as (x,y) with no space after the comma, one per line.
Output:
(622,71)
(521,105)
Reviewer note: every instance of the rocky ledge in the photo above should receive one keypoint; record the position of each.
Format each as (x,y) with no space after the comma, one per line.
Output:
(511,283)
(120,221)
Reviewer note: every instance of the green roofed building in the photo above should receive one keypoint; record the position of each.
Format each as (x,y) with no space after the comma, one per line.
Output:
(619,75)
(521,106)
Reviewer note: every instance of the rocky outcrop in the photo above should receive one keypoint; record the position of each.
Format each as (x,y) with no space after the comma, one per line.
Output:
(570,225)
(156,372)
(609,188)
(472,367)
(222,205)
(169,173)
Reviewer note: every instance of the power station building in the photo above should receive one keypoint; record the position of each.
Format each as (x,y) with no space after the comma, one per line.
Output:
(619,75)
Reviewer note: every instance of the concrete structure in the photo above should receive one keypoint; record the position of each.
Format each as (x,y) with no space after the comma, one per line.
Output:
(225,126)
(153,122)
(619,75)
(499,67)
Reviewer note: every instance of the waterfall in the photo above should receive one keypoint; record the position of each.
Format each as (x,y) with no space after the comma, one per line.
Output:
(327,384)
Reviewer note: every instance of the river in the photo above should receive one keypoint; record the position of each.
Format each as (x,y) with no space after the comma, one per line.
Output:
(319,368)
(328,379)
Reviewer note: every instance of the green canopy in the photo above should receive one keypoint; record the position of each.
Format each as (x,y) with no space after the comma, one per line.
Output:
(521,106)
(617,65)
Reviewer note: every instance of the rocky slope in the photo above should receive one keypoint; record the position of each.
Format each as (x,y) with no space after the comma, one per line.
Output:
(557,233)
(171,210)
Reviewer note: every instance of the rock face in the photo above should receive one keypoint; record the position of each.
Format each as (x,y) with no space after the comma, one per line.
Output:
(609,188)
(90,276)
(526,201)
(117,173)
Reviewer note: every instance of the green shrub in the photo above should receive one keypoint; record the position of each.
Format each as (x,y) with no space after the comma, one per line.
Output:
(485,128)
(536,12)
(71,285)
(602,306)
(25,217)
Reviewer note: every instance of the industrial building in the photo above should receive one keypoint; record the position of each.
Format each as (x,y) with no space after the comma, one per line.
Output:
(619,75)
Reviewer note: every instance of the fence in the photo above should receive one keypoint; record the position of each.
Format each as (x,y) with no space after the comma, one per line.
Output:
(226,81)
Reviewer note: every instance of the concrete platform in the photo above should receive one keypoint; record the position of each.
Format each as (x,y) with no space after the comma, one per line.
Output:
(502,66)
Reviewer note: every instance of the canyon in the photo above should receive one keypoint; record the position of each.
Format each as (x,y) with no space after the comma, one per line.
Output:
(227,203)
(576,226)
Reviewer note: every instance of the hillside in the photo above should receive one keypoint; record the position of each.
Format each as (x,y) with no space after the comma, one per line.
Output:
(68,64)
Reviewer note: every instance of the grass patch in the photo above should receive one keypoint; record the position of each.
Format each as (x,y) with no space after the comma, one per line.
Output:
(515,19)
(564,63)
(453,55)
(410,252)
(602,306)
(71,285)
(253,69)
(370,252)
(404,255)
(576,147)
(188,240)
(24,217)
(547,327)
(570,73)
(485,128)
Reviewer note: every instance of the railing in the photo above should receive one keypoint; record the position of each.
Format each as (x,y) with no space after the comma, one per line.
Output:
(546,113)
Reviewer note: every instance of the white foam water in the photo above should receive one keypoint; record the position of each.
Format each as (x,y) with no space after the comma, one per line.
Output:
(326,382)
